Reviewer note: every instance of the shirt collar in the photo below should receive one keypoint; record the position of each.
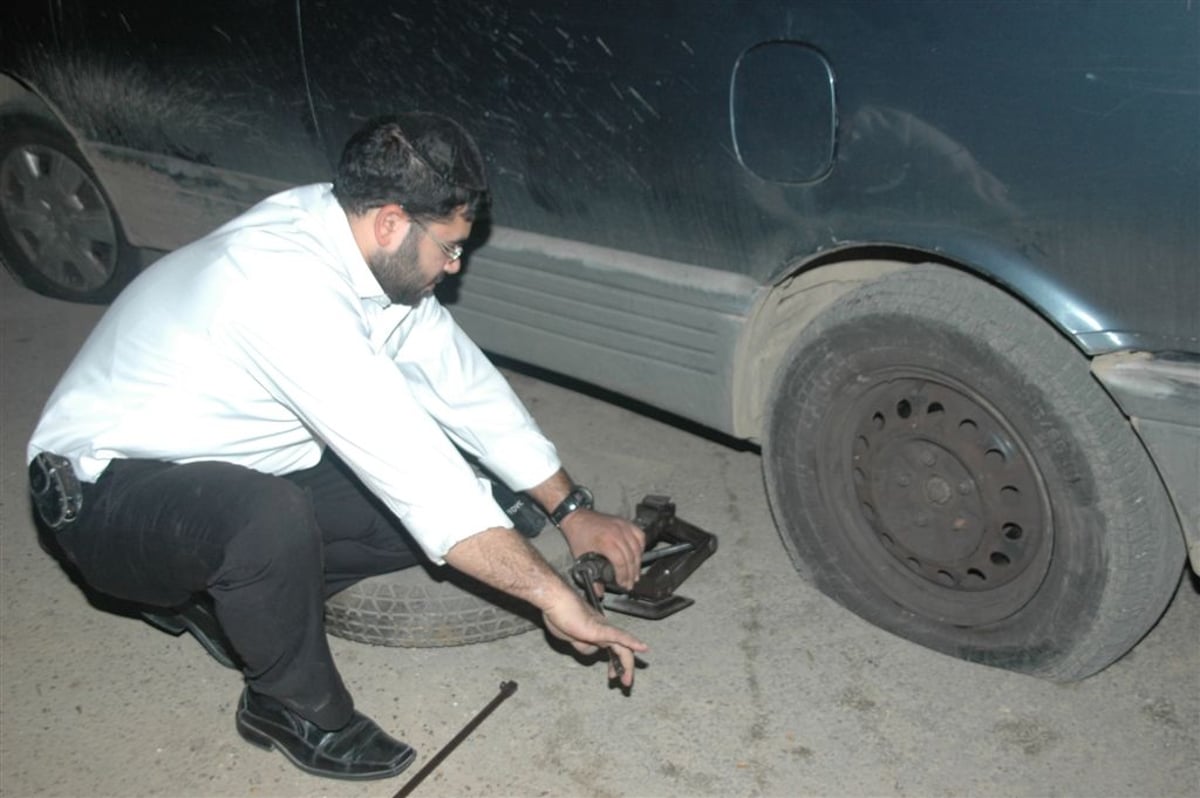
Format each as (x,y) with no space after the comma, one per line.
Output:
(346,249)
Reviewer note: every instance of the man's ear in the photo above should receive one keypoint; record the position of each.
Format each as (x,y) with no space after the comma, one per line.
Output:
(390,224)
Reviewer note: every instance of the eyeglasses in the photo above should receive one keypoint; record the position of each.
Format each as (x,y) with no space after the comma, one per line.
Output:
(452,252)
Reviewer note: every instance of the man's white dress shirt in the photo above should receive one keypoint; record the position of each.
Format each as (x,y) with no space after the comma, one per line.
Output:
(269,339)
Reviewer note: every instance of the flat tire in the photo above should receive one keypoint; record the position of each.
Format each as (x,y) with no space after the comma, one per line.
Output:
(940,461)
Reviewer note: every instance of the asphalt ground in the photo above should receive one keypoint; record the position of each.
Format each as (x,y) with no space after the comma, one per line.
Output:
(763,687)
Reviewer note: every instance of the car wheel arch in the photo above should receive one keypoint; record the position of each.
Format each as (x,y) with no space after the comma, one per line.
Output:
(779,313)
(799,292)
(20,99)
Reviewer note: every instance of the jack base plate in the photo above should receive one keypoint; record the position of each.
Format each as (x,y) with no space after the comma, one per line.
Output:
(651,609)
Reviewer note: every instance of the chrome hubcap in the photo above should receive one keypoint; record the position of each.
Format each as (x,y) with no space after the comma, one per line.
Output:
(59,217)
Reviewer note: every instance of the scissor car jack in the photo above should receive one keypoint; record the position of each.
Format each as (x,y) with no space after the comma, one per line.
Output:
(674,549)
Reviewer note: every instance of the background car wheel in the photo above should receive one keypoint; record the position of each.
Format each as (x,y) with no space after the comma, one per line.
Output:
(941,462)
(58,232)
(425,608)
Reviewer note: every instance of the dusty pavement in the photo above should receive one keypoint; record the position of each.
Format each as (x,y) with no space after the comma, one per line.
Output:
(764,687)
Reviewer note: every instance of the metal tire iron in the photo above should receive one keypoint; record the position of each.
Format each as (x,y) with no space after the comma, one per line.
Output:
(674,550)
(506,690)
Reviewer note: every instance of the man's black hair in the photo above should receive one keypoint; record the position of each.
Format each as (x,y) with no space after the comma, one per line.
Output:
(424,162)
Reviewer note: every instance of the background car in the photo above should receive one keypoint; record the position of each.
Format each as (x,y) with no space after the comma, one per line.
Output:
(940,259)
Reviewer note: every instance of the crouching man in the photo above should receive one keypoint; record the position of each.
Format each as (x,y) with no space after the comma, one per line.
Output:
(276,411)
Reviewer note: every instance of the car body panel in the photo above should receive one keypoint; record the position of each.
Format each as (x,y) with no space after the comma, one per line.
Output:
(1161,396)
(1033,143)
(659,331)
(1048,146)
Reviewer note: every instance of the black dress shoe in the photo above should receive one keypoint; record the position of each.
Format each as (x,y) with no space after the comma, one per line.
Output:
(358,750)
(198,617)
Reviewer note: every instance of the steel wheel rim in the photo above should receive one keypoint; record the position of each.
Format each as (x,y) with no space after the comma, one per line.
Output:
(58,217)
(940,496)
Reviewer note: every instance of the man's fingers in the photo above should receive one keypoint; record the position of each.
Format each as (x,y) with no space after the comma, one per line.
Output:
(633,569)
(633,644)
(628,662)
(619,638)
(618,540)
(588,632)
(586,649)
(632,545)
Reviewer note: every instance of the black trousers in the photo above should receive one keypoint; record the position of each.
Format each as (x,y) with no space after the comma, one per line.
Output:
(268,550)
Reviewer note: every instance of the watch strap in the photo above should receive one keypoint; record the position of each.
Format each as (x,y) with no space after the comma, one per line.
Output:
(578,497)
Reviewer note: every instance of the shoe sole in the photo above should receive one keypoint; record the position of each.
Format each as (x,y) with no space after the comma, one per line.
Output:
(261,740)
(177,626)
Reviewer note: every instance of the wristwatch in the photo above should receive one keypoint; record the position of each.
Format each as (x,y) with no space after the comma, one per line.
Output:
(578,497)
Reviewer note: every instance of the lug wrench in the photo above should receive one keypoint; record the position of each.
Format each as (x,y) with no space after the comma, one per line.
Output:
(506,689)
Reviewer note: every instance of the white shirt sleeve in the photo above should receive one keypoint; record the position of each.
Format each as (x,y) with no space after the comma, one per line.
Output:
(455,382)
(310,348)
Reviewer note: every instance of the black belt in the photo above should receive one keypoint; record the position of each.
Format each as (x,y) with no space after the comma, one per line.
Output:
(57,494)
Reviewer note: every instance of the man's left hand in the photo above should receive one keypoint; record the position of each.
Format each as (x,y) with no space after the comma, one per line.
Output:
(619,540)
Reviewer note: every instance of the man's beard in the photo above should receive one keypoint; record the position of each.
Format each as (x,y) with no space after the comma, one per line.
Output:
(399,273)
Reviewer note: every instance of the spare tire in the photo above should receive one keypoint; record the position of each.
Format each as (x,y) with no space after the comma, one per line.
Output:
(428,606)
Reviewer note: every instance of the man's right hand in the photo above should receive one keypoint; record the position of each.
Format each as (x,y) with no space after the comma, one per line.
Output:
(572,620)
(503,559)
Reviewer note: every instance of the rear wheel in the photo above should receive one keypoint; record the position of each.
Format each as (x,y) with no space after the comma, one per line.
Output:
(941,462)
(58,232)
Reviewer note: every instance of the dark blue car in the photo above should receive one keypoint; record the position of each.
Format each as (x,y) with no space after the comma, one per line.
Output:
(940,259)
